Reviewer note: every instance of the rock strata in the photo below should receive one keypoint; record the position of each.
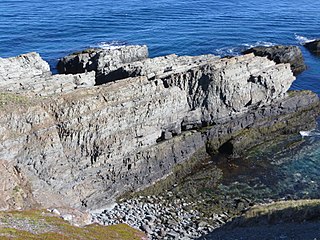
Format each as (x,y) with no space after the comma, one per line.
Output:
(313,46)
(282,54)
(88,145)
(30,74)
(102,61)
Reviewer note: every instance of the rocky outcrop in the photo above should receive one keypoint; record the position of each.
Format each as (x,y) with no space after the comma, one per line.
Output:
(313,46)
(25,66)
(282,54)
(87,146)
(15,191)
(29,73)
(102,61)
(155,68)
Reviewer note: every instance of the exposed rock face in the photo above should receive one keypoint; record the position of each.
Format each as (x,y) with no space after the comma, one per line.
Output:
(29,73)
(15,191)
(102,61)
(282,54)
(88,146)
(153,68)
(25,66)
(313,46)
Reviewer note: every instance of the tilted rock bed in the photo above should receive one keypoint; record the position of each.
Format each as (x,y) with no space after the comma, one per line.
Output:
(85,137)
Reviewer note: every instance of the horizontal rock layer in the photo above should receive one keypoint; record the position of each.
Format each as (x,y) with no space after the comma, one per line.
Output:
(89,145)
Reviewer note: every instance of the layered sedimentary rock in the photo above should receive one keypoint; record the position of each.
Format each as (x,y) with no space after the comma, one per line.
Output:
(282,54)
(102,61)
(313,46)
(87,146)
(30,73)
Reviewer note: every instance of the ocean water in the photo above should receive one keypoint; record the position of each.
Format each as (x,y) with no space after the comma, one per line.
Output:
(185,27)
(56,28)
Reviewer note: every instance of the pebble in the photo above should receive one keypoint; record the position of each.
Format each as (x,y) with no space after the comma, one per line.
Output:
(159,218)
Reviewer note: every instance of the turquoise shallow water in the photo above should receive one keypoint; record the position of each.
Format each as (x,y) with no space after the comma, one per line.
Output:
(289,170)
(56,28)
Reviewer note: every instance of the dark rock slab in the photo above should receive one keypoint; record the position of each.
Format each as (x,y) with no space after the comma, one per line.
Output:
(313,46)
(101,60)
(282,54)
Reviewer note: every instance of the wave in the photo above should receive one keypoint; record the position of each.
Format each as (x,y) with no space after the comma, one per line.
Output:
(310,133)
(234,51)
(110,45)
(302,39)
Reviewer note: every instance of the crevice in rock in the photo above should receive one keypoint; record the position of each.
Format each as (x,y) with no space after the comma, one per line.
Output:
(227,148)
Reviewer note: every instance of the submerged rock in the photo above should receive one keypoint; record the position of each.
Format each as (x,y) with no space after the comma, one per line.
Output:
(313,46)
(282,54)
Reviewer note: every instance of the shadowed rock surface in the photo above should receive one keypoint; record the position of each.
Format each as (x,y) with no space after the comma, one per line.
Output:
(85,147)
(313,46)
(102,61)
(282,54)
(279,220)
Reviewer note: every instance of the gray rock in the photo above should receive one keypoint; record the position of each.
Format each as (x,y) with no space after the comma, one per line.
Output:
(282,54)
(102,61)
(146,229)
(313,46)
(25,66)
(87,146)
(29,74)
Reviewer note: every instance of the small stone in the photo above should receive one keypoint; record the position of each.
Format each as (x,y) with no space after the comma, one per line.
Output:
(67,217)
(146,228)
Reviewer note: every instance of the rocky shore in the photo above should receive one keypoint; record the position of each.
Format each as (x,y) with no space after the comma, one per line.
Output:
(114,122)
(162,219)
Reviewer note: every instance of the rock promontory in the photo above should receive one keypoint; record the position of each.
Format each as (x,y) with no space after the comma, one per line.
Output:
(313,46)
(116,121)
(282,54)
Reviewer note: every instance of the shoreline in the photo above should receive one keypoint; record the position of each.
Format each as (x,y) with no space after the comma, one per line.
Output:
(115,121)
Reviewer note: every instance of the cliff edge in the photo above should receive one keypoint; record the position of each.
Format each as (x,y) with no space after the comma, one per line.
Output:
(113,123)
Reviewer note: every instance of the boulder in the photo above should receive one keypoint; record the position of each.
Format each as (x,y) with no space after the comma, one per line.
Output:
(282,54)
(313,46)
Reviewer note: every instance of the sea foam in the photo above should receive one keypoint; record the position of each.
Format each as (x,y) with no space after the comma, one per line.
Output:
(234,51)
(110,45)
(302,39)
(310,133)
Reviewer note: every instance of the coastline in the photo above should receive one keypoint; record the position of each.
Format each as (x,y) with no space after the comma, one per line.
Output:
(87,138)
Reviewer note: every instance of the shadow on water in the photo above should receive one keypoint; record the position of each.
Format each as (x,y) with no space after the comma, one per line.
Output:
(282,169)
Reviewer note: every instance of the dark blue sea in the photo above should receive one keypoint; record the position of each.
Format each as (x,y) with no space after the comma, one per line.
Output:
(55,28)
